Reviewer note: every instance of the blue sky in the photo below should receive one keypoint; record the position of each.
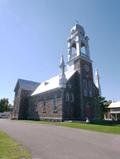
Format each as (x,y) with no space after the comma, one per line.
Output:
(33,35)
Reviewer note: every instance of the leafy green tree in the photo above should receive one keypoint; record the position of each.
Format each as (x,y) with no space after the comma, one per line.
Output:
(102,104)
(4,105)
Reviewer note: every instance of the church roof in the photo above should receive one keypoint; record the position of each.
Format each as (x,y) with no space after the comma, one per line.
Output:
(114,105)
(26,84)
(52,83)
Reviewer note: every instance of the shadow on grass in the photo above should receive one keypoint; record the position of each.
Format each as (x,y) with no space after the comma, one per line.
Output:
(105,122)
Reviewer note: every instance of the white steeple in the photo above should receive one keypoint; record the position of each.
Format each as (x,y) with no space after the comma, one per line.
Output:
(62,77)
(78,43)
(97,81)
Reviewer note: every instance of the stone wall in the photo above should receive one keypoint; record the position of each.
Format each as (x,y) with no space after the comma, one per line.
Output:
(71,104)
(88,92)
(21,104)
(47,105)
(15,113)
(23,109)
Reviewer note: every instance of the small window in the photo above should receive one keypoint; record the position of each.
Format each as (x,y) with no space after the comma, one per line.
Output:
(46,83)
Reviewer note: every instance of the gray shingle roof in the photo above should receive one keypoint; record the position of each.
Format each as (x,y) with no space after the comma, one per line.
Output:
(26,84)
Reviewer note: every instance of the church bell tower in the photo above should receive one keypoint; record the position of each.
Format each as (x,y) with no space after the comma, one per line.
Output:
(77,45)
(79,60)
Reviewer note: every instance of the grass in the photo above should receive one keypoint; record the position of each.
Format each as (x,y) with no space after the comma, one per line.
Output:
(114,129)
(9,149)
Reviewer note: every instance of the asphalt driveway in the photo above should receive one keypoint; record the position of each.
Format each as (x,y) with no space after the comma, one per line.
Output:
(53,142)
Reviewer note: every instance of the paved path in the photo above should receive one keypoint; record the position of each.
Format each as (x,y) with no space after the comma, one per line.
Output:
(53,142)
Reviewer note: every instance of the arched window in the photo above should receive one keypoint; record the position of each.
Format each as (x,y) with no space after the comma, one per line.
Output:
(72,97)
(67,97)
(90,85)
(85,87)
(55,103)
(44,105)
(73,50)
(83,50)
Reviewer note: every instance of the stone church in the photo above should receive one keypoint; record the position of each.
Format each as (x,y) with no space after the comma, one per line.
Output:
(68,96)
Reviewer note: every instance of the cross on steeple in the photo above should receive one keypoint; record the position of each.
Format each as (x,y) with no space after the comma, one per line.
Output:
(76,21)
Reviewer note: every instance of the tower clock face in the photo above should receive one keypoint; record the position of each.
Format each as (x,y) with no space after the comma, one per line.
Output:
(86,67)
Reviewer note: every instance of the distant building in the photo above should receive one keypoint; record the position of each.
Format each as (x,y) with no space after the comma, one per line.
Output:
(4,114)
(69,95)
(114,110)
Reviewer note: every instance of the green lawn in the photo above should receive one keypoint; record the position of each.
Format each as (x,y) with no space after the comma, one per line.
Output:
(114,129)
(9,149)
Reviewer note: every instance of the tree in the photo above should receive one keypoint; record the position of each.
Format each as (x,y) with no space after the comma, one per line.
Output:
(102,104)
(4,105)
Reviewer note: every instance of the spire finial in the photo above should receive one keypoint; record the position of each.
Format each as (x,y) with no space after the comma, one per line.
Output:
(62,77)
(62,64)
(97,81)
